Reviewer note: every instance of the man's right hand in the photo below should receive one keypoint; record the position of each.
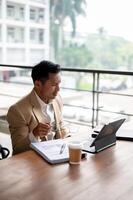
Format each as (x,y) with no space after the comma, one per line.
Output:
(42,129)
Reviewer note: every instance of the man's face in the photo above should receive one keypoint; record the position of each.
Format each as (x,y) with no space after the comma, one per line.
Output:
(50,88)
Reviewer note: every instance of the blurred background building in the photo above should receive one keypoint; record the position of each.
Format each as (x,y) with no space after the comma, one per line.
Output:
(24,31)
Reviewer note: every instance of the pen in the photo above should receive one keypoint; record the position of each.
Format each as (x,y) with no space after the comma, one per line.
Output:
(62,148)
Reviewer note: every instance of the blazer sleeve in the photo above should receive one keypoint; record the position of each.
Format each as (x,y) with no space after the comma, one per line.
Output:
(19,130)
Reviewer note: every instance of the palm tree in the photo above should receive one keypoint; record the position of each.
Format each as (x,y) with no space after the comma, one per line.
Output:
(59,10)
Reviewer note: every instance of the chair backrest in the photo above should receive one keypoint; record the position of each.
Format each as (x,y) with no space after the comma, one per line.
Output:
(4,152)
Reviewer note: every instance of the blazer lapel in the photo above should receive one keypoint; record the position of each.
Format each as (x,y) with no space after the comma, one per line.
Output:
(36,108)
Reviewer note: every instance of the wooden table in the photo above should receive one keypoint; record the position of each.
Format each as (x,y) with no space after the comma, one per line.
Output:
(106,175)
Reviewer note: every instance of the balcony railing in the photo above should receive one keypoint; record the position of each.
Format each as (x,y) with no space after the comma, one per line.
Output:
(91,97)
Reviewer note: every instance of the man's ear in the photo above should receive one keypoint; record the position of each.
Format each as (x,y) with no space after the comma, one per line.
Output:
(37,84)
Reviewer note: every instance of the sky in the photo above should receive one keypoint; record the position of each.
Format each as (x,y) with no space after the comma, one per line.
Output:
(116,16)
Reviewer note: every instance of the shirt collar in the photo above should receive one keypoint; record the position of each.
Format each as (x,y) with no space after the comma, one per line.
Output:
(42,103)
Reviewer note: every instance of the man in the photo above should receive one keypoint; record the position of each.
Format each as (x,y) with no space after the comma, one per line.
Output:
(38,116)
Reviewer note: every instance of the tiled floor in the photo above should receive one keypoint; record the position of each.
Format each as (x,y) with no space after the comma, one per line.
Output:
(5,141)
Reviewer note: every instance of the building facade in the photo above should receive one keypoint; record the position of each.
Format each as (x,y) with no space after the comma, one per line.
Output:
(24,31)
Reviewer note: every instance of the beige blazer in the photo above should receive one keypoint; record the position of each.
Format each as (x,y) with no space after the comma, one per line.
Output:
(24,116)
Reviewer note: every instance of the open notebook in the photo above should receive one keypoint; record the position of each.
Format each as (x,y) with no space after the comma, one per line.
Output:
(51,150)
(106,137)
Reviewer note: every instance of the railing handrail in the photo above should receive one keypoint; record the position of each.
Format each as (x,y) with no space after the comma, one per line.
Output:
(98,71)
(95,85)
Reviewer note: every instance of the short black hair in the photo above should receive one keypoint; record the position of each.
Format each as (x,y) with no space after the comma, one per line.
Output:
(41,70)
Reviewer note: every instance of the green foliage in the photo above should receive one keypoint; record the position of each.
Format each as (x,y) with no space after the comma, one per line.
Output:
(75,55)
(99,51)
(83,85)
(110,52)
(126,55)
(59,11)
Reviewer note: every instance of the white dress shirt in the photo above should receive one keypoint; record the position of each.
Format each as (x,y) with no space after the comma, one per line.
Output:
(48,112)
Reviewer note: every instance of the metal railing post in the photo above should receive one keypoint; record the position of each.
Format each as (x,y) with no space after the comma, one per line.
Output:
(93,101)
(97,99)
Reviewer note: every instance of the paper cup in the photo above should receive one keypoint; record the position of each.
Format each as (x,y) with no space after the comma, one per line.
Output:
(75,149)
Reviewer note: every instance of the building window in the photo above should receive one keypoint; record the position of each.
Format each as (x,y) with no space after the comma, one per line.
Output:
(15,34)
(41,36)
(10,34)
(40,15)
(37,14)
(19,35)
(32,14)
(15,11)
(10,11)
(33,35)
(21,12)
(37,36)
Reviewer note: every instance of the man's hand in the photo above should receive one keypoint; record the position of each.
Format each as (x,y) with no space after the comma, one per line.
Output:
(42,129)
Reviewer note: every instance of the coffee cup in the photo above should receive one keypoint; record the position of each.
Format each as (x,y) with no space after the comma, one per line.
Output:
(75,149)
